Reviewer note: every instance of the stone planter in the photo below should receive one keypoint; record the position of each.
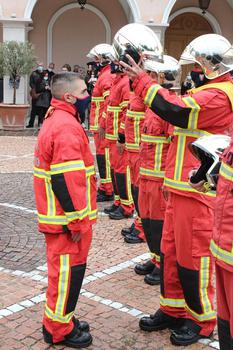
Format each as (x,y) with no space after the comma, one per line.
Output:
(13,116)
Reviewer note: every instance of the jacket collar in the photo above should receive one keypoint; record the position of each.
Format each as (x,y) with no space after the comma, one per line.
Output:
(64,106)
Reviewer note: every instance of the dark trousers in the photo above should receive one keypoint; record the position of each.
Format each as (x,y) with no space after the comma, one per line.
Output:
(34,113)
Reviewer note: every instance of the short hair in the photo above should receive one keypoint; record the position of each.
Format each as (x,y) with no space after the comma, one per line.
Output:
(67,66)
(62,83)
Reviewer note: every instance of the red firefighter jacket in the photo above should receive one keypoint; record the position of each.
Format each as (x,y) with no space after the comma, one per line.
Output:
(100,96)
(222,242)
(132,127)
(64,174)
(206,110)
(117,107)
(154,147)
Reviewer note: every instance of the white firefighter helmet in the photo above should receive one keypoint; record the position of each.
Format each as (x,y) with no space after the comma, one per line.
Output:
(102,52)
(135,39)
(169,72)
(208,150)
(212,52)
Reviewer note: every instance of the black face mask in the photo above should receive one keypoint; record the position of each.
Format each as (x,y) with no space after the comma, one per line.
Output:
(132,52)
(82,104)
(116,68)
(198,79)
(167,86)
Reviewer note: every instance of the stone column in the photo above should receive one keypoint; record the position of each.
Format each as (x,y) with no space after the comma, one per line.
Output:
(159,30)
(17,30)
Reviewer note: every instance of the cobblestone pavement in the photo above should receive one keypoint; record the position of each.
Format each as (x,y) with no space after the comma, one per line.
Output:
(113,297)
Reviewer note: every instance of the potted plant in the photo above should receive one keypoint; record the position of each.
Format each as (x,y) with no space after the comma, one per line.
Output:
(16,60)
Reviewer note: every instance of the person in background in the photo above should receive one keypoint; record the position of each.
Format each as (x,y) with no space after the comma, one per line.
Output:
(188,84)
(44,96)
(66,68)
(35,78)
(50,70)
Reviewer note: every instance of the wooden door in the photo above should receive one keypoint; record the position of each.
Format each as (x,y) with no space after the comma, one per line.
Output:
(182,30)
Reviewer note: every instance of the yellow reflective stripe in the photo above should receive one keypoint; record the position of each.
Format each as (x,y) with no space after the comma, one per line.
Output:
(135,115)
(151,93)
(52,220)
(41,173)
(155,257)
(181,142)
(172,302)
(122,125)
(151,172)
(202,317)
(221,254)
(58,318)
(97,99)
(113,109)
(195,108)
(104,115)
(128,184)
(62,284)
(105,181)
(111,137)
(126,202)
(226,171)
(90,170)
(66,167)
(204,283)
(108,166)
(132,146)
(137,131)
(97,114)
(77,215)
(184,186)
(158,156)
(116,197)
(51,206)
(124,104)
(93,214)
(154,139)
(106,93)
(190,133)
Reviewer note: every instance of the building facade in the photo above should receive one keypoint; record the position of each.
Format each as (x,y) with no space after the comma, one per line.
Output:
(62,33)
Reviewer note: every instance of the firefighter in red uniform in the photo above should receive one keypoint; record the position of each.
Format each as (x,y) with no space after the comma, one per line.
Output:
(186,263)
(131,129)
(123,206)
(153,153)
(65,192)
(99,103)
(208,150)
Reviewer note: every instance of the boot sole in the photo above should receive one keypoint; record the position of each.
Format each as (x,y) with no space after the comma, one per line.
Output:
(151,283)
(122,218)
(77,346)
(152,329)
(184,343)
(141,273)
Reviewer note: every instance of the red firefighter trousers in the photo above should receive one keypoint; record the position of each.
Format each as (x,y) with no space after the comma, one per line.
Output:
(66,268)
(121,179)
(103,162)
(186,262)
(134,166)
(224,287)
(152,209)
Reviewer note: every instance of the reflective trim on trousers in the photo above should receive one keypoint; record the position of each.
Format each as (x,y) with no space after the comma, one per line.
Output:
(180,303)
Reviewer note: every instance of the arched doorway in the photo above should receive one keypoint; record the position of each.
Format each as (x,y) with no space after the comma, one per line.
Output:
(183,29)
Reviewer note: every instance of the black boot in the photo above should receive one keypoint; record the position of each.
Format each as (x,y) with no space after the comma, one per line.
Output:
(103,197)
(128,230)
(159,321)
(75,339)
(144,269)
(110,209)
(153,278)
(133,238)
(118,214)
(81,325)
(187,334)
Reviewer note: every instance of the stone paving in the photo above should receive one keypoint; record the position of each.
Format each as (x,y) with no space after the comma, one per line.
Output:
(113,297)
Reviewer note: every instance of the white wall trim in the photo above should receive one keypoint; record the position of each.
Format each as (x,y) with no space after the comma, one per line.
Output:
(62,10)
(230,2)
(167,11)
(208,16)
(29,8)
(135,10)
